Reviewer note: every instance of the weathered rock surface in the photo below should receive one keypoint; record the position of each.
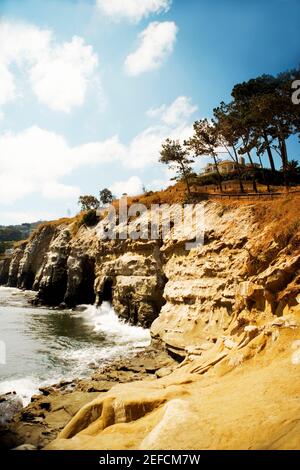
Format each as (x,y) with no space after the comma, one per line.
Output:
(40,422)
(4,271)
(131,276)
(245,396)
(33,257)
(15,264)
(10,404)
(229,315)
(194,293)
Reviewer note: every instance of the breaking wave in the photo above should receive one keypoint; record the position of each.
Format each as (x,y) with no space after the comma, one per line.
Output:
(60,345)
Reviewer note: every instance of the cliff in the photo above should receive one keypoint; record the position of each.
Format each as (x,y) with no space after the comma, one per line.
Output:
(245,261)
(228,310)
(70,269)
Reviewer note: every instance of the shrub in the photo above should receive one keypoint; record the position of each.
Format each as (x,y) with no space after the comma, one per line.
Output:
(90,218)
(206,180)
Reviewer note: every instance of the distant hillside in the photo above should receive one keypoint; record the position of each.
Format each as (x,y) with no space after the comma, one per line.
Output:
(17,232)
(9,234)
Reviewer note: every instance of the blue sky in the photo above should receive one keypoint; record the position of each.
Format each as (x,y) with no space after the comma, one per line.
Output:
(89,89)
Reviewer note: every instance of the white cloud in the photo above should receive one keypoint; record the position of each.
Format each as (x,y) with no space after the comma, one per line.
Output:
(7,89)
(59,73)
(174,124)
(156,43)
(132,187)
(20,217)
(162,183)
(94,153)
(36,160)
(144,149)
(179,111)
(133,10)
(55,190)
(60,80)
(154,113)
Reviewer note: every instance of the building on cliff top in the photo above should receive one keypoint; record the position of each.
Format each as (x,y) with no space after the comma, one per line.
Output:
(227,166)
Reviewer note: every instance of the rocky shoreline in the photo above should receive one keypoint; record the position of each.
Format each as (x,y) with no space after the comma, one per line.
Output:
(39,423)
(228,311)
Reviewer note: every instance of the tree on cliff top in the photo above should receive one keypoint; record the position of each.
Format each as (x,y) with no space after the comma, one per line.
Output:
(173,155)
(106,196)
(270,114)
(204,143)
(88,202)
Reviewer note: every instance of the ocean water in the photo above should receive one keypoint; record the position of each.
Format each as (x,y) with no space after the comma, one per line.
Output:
(40,347)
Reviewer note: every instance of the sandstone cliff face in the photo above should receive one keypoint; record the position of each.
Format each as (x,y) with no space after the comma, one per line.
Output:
(33,257)
(210,287)
(202,283)
(4,270)
(133,276)
(82,269)
(244,394)
(52,278)
(192,295)
(228,309)
(14,265)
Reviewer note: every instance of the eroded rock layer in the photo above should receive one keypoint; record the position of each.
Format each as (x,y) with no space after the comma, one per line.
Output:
(228,310)
(192,294)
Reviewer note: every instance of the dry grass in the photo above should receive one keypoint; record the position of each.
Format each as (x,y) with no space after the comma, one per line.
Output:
(281,215)
(58,222)
(74,222)
(282,218)
(178,194)
(233,186)
(172,195)
(279,218)
(277,229)
(20,243)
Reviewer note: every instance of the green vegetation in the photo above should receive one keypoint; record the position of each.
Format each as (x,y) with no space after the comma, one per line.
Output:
(11,234)
(14,232)
(256,123)
(90,218)
(106,197)
(263,176)
(205,142)
(177,158)
(88,203)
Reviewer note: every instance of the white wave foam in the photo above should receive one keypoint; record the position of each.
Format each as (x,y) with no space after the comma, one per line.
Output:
(14,297)
(106,321)
(24,388)
(121,339)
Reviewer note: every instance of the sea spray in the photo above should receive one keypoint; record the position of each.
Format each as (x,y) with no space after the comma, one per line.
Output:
(107,321)
(120,339)
(46,346)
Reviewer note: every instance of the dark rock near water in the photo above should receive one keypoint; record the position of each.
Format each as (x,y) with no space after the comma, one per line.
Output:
(10,404)
(4,271)
(25,447)
(68,268)
(47,414)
